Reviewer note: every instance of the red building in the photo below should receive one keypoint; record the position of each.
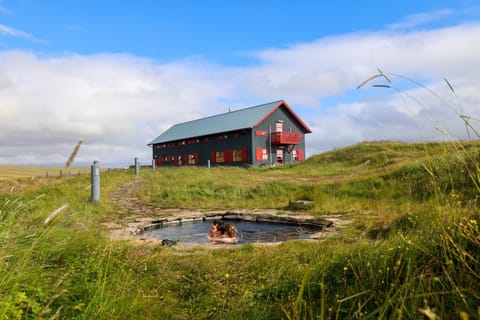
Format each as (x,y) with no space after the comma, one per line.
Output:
(266,134)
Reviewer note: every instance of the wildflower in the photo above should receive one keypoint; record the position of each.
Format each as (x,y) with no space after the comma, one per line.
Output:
(227,275)
(473,221)
(345,268)
(429,313)
(463,315)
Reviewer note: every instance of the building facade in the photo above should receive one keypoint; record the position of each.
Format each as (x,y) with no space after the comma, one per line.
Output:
(266,134)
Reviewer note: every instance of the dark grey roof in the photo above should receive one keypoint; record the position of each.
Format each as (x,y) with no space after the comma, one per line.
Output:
(230,121)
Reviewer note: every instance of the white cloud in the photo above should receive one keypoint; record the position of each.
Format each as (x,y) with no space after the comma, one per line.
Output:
(305,73)
(12,32)
(118,103)
(416,20)
(109,100)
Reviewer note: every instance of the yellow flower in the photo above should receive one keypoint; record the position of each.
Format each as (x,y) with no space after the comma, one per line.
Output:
(345,268)
(227,275)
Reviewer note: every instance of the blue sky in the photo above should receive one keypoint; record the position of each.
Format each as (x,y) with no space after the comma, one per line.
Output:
(220,31)
(118,73)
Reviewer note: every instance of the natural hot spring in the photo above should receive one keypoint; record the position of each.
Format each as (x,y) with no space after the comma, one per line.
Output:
(196,231)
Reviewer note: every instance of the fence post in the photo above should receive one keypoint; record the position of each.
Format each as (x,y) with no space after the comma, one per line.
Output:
(95,173)
(153,165)
(137,167)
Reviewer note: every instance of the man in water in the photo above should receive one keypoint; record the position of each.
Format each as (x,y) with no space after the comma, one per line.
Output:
(222,233)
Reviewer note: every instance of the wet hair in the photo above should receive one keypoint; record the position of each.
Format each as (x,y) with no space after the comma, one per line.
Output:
(230,230)
(220,225)
(217,222)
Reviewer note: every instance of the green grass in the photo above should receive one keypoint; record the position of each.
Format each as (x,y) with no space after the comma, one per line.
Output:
(411,250)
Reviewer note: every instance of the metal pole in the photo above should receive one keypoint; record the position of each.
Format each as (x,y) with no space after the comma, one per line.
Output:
(208,163)
(137,167)
(95,173)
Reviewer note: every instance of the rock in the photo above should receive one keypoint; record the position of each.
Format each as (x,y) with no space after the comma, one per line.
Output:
(168,242)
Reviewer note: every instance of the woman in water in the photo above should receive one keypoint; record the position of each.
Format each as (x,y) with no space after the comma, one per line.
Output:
(222,233)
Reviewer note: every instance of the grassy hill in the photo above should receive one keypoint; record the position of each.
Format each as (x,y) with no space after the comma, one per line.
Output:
(412,248)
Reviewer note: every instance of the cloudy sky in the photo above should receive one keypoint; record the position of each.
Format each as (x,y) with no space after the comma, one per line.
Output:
(119,73)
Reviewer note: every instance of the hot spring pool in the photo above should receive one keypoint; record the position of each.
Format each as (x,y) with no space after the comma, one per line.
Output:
(248,231)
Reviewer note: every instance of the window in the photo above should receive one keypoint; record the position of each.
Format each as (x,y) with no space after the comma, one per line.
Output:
(279,155)
(294,155)
(260,133)
(279,126)
(237,156)
(227,156)
(192,158)
(262,154)
(219,157)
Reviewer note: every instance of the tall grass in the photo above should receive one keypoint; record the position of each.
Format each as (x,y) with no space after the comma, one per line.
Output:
(55,262)
(427,264)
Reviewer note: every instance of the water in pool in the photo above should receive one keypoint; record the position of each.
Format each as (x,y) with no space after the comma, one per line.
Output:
(248,231)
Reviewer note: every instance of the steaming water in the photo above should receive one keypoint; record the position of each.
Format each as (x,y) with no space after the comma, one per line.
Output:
(248,231)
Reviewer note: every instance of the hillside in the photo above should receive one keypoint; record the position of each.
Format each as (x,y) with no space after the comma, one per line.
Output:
(411,249)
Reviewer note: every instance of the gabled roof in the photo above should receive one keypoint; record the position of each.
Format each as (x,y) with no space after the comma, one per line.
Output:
(235,120)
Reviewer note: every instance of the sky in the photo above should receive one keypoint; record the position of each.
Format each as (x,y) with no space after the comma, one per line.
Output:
(119,73)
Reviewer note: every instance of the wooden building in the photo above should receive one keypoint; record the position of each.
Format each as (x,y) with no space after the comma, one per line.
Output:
(267,134)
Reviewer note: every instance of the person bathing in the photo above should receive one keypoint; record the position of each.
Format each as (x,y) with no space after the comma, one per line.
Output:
(221,232)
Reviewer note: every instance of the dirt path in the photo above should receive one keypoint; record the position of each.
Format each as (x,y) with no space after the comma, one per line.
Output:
(126,198)
(134,215)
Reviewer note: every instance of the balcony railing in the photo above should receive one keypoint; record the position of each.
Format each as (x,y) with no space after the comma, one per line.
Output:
(286,137)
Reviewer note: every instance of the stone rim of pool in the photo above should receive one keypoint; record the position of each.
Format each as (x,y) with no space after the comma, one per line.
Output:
(321,225)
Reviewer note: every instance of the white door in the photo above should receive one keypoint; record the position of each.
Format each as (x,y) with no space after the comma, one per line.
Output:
(279,155)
